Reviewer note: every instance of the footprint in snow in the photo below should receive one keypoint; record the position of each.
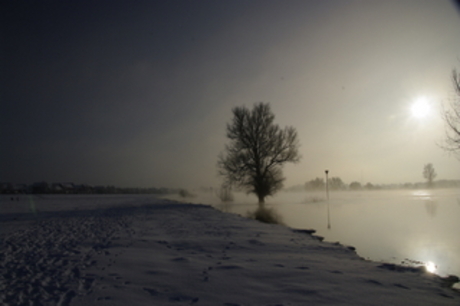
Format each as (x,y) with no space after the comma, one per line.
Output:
(373,281)
(179,259)
(256,242)
(183,298)
(228,267)
(85,284)
(401,286)
(446,296)
(65,299)
(102,298)
(205,275)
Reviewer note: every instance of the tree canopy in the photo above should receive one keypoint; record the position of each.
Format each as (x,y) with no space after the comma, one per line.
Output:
(429,174)
(257,150)
(451,116)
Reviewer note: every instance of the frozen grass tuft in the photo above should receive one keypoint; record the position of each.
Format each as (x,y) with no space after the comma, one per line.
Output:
(184,193)
(266,215)
(309,200)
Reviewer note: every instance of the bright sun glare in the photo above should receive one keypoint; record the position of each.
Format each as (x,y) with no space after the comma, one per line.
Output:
(420,108)
(430,267)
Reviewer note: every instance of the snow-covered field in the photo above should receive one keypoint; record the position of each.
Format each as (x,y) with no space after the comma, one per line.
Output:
(138,250)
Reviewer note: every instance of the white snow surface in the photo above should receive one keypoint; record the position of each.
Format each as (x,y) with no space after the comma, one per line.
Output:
(139,250)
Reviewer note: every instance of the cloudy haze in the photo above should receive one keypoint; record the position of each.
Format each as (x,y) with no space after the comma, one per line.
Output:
(138,93)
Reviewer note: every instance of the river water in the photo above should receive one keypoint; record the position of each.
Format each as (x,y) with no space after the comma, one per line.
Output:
(398,226)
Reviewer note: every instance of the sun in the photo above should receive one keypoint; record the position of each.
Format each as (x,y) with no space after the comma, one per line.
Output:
(420,108)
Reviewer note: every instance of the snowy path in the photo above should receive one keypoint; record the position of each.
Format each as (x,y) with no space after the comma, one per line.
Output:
(182,254)
(44,264)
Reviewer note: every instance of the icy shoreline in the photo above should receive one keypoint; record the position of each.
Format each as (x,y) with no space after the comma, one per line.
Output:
(144,251)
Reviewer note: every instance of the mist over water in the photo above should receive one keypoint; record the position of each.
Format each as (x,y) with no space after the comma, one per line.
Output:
(397,226)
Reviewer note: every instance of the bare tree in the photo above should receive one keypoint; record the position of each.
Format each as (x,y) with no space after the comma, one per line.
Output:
(257,151)
(451,116)
(429,174)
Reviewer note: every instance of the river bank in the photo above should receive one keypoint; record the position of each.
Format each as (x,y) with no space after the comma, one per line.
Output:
(145,251)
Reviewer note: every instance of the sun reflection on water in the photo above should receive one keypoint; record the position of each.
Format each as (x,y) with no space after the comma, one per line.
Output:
(422,194)
(431,267)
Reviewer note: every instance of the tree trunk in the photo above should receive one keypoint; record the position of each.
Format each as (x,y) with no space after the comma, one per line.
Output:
(261,201)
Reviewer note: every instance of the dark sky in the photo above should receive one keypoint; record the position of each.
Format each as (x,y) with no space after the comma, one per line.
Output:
(138,93)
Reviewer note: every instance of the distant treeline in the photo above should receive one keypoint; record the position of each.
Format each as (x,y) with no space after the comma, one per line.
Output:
(336,183)
(71,188)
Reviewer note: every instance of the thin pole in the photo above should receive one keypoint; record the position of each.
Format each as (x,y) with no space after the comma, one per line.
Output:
(327,194)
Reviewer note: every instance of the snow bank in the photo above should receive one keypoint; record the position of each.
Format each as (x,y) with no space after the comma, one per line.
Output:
(145,251)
